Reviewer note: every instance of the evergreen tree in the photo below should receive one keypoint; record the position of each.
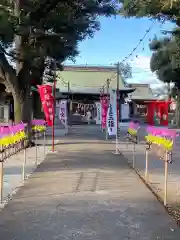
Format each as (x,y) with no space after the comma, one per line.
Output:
(32,31)
(165,63)
(165,60)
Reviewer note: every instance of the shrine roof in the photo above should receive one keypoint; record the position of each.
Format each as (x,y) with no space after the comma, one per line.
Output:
(142,92)
(89,79)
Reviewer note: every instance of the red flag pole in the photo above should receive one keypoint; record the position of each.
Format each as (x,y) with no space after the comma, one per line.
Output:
(54,112)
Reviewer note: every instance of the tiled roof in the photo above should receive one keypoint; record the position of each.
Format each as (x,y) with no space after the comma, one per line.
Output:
(142,91)
(87,79)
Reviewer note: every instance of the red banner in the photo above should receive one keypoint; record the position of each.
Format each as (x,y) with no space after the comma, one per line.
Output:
(47,99)
(104,107)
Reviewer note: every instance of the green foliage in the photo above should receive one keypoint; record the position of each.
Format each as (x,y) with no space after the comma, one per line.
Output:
(160,9)
(164,61)
(51,28)
(46,30)
(41,30)
(174,92)
(8,22)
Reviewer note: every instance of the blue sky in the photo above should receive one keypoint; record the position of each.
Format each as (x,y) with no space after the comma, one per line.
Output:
(116,39)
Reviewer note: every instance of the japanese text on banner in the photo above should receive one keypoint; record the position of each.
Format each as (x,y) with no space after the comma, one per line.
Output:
(63,112)
(47,100)
(112,114)
(104,107)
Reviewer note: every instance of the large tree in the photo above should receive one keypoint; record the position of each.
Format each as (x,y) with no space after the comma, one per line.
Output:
(160,9)
(165,63)
(165,60)
(162,61)
(32,31)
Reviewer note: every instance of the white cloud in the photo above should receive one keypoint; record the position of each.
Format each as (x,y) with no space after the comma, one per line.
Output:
(141,72)
(141,62)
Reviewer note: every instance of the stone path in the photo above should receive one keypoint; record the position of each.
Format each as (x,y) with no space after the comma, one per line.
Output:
(83,191)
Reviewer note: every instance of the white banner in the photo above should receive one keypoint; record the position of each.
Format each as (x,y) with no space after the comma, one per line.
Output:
(63,112)
(112,114)
(125,111)
(99,113)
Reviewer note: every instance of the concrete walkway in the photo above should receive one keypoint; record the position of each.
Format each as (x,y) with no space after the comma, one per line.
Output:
(83,191)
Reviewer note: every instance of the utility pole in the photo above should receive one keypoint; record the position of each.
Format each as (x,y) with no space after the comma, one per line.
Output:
(103,100)
(70,104)
(107,91)
(117,113)
(53,69)
(68,87)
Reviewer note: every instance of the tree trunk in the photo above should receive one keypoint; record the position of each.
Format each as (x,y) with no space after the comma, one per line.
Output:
(11,81)
(27,114)
(37,77)
(37,106)
(17,109)
(22,107)
(23,100)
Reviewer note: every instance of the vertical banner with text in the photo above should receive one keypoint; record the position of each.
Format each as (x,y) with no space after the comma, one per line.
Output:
(47,99)
(104,108)
(98,113)
(112,114)
(63,112)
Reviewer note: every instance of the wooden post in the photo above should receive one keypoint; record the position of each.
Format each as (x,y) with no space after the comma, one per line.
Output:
(36,147)
(127,143)
(107,83)
(146,169)
(24,162)
(1,179)
(44,143)
(165,178)
(133,155)
(54,113)
(101,110)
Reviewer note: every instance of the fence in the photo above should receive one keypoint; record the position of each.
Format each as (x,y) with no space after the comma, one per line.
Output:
(132,136)
(159,142)
(14,139)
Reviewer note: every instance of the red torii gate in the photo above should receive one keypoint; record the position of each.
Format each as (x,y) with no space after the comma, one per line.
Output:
(160,108)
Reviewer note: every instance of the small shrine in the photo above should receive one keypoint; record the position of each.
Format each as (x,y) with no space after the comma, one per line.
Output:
(157,112)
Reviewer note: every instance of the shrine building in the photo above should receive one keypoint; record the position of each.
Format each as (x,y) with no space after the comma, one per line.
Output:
(83,85)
